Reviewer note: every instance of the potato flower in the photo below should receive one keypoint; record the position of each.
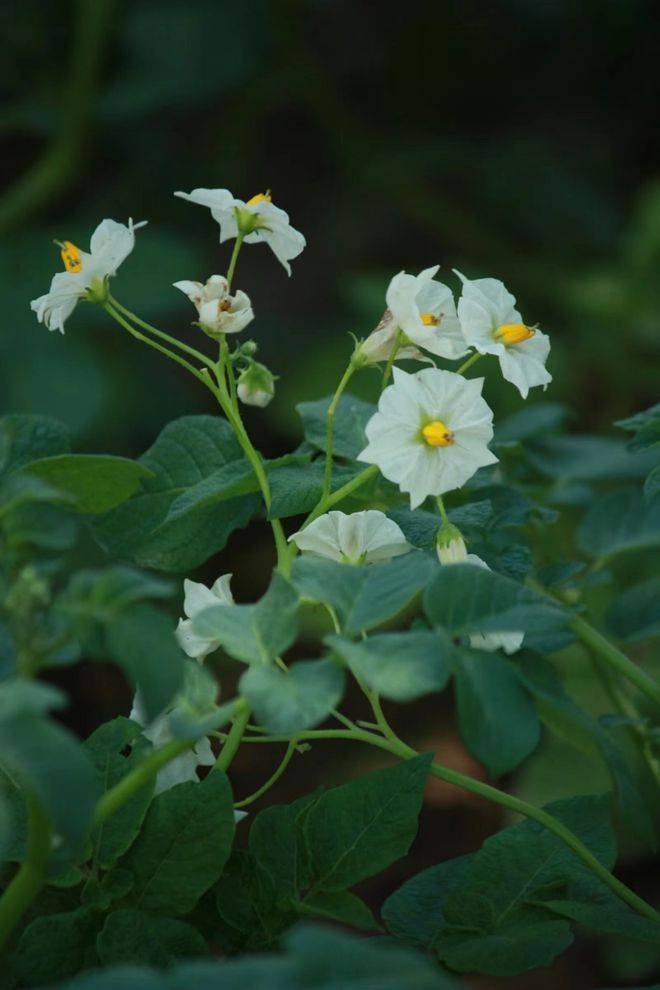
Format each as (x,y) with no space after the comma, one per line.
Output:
(85,272)
(258,220)
(182,768)
(367,537)
(197,597)
(219,312)
(430,433)
(425,311)
(492,325)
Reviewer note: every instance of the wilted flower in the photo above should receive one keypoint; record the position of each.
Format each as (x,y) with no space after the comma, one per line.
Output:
(378,345)
(197,597)
(219,312)
(256,385)
(367,537)
(259,220)
(492,325)
(430,433)
(85,274)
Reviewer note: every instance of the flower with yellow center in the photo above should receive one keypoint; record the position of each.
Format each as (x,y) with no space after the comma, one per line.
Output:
(219,312)
(258,220)
(85,272)
(424,309)
(492,325)
(430,433)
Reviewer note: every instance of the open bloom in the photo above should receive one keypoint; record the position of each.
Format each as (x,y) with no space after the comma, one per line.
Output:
(426,313)
(259,220)
(181,768)
(430,433)
(218,311)
(198,597)
(111,243)
(359,538)
(455,553)
(492,325)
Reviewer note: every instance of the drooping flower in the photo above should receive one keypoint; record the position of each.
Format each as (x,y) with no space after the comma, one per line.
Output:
(492,325)
(183,767)
(258,219)
(219,312)
(430,433)
(425,311)
(367,537)
(510,642)
(86,272)
(198,597)
(256,385)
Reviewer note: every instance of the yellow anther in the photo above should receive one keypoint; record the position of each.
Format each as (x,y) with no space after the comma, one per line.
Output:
(259,198)
(71,257)
(437,434)
(513,333)
(429,320)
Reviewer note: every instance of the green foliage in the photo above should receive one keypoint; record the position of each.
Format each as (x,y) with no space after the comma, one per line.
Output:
(635,614)
(136,937)
(351,417)
(288,702)
(399,666)
(92,483)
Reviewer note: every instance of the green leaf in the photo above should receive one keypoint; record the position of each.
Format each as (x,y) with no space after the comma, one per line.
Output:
(496,716)
(94,483)
(465,599)
(113,837)
(135,937)
(652,484)
(254,633)
(187,451)
(620,521)
(635,614)
(297,488)
(350,420)
(515,948)
(646,427)
(196,713)
(232,479)
(608,915)
(101,594)
(141,641)
(414,912)
(55,946)
(251,913)
(340,905)
(587,458)
(21,697)
(26,438)
(366,596)
(286,703)
(278,844)
(358,829)
(183,846)
(535,419)
(400,666)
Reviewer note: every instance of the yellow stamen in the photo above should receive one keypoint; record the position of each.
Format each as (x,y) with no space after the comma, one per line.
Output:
(259,198)
(437,434)
(429,320)
(513,333)
(71,257)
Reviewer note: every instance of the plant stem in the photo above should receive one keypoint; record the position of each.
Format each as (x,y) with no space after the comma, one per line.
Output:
(290,750)
(443,511)
(202,358)
(468,364)
(234,258)
(230,748)
(615,658)
(29,879)
(325,503)
(390,361)
(330,415)
(138,778)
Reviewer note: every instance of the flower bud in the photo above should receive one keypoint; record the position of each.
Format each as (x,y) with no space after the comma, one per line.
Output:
(256,385)
(450,545)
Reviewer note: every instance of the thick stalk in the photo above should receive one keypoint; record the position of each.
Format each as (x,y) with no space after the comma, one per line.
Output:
(138,778)
(468,364)
(29,879)
(330,416)
(230,748)
(615,658)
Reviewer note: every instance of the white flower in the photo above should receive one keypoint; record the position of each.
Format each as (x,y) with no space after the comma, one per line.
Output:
(510,642)
(198,597)
(181,768)
(218,311)
(256,385)
(426,312)
(492,325)
(359,538)
(259,218)
(111,243)
(430,433)
(378,345)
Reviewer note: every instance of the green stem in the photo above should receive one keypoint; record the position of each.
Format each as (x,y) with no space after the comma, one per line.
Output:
(390,361)
(290,750)
(326,503)
(202,358)
(405,752)
(234,258)
(138,778)
(443,511)
(468,364)
(29,879)
(330,415)
(615,658)
(230,748)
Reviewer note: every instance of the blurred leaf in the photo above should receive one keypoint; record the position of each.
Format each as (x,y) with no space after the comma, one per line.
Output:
(286,703)
(341,906)
(586,458)
(536,418)
(636,612)
(652,484)
(400,666)
(135,937)
(414,912)
(351,417)
(620,521)
(56,946)
(26,438)
(645,426)
(94,483)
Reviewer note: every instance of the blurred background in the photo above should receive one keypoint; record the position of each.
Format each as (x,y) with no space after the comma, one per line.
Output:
(509,138)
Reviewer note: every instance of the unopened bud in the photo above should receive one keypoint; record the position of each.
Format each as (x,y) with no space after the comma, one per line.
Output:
(256,385)
(450,545)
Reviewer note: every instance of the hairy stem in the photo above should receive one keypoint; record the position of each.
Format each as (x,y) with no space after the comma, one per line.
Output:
(29,879)
(330,416)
